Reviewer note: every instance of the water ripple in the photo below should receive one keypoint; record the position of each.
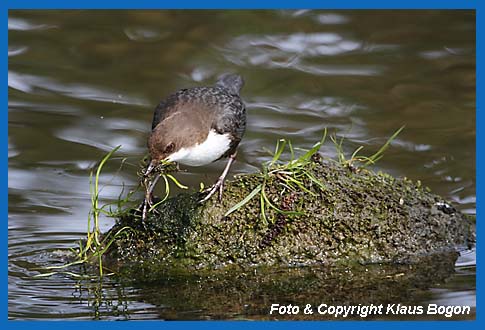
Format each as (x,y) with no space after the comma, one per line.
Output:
(19,24)
(106,134)
(14,51)
(143,34)
(36,84)
(290,51)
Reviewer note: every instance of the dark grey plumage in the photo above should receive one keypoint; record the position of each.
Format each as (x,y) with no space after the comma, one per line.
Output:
(186,117)
(182,122)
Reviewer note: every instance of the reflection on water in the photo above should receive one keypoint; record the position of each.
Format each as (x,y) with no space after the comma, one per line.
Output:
(81,83)
(290,52)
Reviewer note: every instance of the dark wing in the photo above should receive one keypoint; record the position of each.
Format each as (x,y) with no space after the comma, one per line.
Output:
(231,119)
(165,107)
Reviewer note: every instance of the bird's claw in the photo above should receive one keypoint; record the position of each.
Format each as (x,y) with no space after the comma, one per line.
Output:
(218,186)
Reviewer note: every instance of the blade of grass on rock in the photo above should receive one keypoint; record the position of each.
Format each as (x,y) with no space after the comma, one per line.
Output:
(244,201)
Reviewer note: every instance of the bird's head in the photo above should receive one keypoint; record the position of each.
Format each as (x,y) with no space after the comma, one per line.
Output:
(160,149)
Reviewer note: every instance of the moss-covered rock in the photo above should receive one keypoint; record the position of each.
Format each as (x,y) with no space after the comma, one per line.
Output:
(356,216)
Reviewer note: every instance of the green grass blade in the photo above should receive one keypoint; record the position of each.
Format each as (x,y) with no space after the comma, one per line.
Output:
(181,186)
(300,185)
(267,201)
(244,201)
(74,275)
(353,157)
(96,192)
(338,148)
(379,154)
(292,152)
(315,180)
(112,239)
(77,262)
(278,151)
(263,208)
(315,148)
(167,193)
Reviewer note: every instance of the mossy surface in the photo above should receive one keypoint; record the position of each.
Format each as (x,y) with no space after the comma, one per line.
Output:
(359,217)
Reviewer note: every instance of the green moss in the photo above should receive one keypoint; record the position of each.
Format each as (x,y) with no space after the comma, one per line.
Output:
(359,217)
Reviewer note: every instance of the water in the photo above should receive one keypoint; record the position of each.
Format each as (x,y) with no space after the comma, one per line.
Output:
(83,82)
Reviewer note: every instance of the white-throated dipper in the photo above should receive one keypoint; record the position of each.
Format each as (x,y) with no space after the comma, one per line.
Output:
(197,126)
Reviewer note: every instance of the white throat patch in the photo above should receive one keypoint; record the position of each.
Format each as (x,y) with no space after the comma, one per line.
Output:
(204,153)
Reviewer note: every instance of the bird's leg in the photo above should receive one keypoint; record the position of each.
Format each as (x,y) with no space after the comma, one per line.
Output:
(147,202)
(219,185)
(152,186)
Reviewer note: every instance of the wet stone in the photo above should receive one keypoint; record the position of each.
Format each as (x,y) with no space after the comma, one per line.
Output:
(361,217)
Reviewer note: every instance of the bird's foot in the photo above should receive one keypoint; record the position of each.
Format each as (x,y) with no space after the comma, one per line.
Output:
(147,204)
(218,186)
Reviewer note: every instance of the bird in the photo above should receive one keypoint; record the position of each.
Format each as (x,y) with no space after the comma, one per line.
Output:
(197,126)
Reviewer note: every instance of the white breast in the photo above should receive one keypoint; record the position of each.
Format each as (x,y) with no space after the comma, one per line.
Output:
(204,153)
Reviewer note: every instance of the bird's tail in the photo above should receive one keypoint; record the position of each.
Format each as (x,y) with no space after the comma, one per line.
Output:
(231,82)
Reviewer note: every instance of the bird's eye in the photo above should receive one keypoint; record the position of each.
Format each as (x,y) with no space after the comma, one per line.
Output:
(169,148)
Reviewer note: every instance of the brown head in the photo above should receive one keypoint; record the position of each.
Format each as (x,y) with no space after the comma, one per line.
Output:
(160,147)
(182,129)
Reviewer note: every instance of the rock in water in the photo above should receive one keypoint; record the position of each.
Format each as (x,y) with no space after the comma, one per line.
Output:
(354,217)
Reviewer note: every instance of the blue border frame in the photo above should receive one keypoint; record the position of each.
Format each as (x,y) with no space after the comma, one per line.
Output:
(5,5)
(243,4)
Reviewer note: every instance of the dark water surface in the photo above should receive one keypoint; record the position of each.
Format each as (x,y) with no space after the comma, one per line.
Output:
(83,82)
